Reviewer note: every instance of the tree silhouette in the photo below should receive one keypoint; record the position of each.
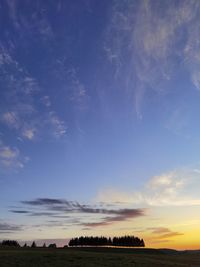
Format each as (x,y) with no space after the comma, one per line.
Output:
(33,245)
(52,245)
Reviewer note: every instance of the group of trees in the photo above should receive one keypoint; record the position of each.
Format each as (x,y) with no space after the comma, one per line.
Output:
(14,243)
(10,243)
(126,241)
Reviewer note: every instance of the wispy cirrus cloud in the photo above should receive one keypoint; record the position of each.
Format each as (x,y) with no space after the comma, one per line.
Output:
(35,23)
(58,126)
(20,110)
(25,84)
(5,57)
(46,100)
(146,41)
(16,120)
(78,92)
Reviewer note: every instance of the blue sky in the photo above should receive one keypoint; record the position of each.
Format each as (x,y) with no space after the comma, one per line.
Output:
(99,119)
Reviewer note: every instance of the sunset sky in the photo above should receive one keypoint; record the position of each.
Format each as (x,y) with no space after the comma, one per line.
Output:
(100,120)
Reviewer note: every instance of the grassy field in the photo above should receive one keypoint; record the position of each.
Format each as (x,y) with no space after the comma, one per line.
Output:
(94,257)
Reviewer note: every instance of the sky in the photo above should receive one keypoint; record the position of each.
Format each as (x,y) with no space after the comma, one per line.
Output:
(99,120)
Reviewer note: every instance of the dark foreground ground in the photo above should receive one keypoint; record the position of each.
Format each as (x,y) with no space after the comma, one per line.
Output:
(96,257)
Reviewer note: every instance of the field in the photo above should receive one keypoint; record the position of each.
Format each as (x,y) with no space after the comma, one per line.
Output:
(94,257)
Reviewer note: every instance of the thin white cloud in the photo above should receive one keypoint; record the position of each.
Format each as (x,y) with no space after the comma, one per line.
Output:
(10,157)
(29,133)
(46,100)
(18,121)
(45,29)
(78,93)
(5,58)
(29,85)
(58,126)
(175,188)
(12,8)
(37,23)
(150,33)
(21,111)
(11,119)
(197,171)
(178,121)
(168,180)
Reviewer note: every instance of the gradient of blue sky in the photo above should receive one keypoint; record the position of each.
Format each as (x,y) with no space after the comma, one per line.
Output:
(99,105)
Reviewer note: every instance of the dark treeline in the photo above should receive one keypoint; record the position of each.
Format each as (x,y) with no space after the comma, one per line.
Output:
(126,241)
(123,241)
(9,243)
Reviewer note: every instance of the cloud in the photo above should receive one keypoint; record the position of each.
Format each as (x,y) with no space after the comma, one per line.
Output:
(46,100)
(95,224)
(20,211)
(175,188)
(11,157)
(5,58)
(120,215)
(178,121)
(197,171)
(39,213)
(7,228)
(29,133)
(61,208)
(46,202)
(20,110)
(170,182)
(59,127)
(25,121)
(47,214)
(74,206)
(78,91)
(35,22)
(162,232)
(29,85)
(170,234)
(78,95)
(159,230)
(15,120)
(147,41)
(24,85)
(11,119)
